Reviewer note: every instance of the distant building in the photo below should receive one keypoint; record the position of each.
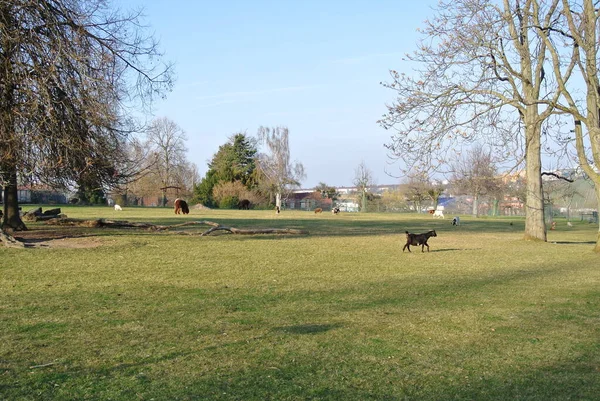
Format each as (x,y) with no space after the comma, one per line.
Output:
(346,200)
(39,194)
(306,199)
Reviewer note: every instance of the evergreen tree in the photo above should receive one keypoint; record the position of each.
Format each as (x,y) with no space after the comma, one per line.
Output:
(203,190)
(234,161)
(244,160)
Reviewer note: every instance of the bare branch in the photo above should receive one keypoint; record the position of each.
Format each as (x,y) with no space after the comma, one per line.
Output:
(557,176)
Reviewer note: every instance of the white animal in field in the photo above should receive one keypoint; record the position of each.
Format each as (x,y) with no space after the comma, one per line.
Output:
(456,221)
(438,214)
(569,224)
(117,207)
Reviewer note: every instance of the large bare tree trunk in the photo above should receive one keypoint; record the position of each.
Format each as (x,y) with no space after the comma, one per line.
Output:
(583,32)
(535,226)
(11,218)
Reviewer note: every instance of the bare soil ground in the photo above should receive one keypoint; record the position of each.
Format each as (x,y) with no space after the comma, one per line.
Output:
(58,237)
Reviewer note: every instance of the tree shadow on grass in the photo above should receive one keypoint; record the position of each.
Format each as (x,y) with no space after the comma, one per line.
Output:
(573,242)
(446,250)
(321,377)
(340,372)
(326,227)
(454,249)
(307,328)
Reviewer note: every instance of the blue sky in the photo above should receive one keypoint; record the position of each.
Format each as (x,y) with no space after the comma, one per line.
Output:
(313,66)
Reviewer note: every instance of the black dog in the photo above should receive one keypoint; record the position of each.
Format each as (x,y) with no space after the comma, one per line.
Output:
(418,239)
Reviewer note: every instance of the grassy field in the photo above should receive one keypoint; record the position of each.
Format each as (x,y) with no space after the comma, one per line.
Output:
(338,314)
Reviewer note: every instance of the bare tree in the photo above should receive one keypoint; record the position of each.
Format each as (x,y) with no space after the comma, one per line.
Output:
(363,181)
(435,191)
(478,61)
(69,73)
(420,187)
(557,191)
(278,174)
(327,192)
(580,35)
(475,174)
(416,192)
(187,176)
(167,141)
(135,171)
(395,200)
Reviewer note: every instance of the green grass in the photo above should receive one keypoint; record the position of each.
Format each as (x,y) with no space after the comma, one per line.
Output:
(339,314)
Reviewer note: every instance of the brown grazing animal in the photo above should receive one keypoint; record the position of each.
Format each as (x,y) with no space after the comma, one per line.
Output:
(181,206)
(418,239)
(318,210)
(244,204)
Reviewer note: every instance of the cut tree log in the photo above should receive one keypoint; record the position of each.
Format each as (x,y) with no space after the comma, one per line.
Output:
(33,214)
(52,212)
(37,214)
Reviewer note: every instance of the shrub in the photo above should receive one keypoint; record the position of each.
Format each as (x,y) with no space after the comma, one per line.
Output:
(229,202)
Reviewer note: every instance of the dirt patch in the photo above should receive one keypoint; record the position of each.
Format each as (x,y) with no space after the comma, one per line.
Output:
(72,243)
(64,237)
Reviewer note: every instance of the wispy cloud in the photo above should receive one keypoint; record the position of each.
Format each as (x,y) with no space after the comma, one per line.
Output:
(219,99)
(213,104)
(242,95)
(315,111)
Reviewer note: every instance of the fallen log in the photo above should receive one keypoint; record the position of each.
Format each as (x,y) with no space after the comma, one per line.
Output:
(234,230)
(98,223)
(35,212)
